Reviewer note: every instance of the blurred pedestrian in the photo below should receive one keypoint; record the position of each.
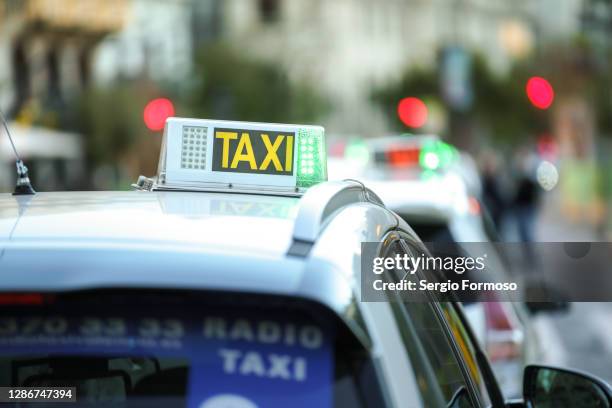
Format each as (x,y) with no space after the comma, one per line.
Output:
(526,197)
(492,196)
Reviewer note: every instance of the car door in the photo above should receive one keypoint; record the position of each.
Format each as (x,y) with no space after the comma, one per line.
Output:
(440,346)
(476,366)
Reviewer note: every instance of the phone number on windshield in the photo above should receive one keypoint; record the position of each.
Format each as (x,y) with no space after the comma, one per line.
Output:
(37,394)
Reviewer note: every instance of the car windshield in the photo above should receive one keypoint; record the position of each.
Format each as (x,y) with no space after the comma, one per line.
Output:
(184,352)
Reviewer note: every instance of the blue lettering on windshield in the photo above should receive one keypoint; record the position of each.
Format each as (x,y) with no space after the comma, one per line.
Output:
(237,361)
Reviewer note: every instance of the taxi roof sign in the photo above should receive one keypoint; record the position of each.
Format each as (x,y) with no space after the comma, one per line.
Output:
(215,155)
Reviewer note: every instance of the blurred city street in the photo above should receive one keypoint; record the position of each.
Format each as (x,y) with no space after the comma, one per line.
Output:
(585,343)
(475,121)
(582,337)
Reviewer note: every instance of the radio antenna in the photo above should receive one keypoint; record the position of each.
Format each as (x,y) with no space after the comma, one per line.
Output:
(23,186)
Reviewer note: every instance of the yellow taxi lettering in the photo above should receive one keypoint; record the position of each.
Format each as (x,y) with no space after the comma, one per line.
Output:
(271,155)
(226,137)
(244,152)
(289,154)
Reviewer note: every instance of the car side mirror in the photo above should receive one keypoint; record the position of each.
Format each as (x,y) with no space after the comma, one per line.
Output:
(548,387)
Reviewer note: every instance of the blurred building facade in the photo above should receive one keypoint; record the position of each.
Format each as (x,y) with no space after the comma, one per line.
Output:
(52,50)
(346,48)
(46,49)
(558,20)
(55,50)
(48,46)
(155,42)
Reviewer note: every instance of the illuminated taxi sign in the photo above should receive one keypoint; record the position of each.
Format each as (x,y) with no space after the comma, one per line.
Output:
(209,154)
(253,151)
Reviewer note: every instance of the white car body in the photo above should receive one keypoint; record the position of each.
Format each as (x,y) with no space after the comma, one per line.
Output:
(446,199)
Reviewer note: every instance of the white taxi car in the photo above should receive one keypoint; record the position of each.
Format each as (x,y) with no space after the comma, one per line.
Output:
(229,280)
(432,186)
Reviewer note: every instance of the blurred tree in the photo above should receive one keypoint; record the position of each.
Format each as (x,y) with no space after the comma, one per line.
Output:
(581,69)
(111,120)
(232,86)
(224,86)
(418,82)
(603,98)
(118,146)
(500,109)
(501,103)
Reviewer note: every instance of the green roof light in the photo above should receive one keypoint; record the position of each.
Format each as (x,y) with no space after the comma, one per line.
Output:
(311,160)
(431,160)
(437,154)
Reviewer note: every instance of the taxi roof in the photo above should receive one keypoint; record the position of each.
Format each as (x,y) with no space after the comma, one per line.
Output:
(443,197)
(303,248)
(217,221)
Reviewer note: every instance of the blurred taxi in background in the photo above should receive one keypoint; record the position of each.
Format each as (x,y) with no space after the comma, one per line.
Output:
(435,189)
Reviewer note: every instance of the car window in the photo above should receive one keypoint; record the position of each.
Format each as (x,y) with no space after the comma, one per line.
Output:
(439,359)
(439,374)
(466,348)
(429,230)
(119,351)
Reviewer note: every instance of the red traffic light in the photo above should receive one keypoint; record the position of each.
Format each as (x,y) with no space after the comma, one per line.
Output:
(412,112)
(540,92)
(156,112)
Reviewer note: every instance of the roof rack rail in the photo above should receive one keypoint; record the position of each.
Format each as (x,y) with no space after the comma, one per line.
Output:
(317,205)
